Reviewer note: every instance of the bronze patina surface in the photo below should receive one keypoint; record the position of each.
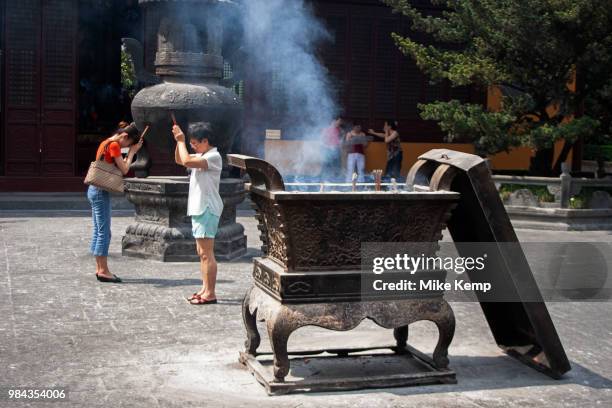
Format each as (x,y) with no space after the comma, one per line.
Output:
(311,272)
(523,329)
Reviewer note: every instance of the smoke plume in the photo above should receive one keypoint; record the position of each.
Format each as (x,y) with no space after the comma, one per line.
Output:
(280,39)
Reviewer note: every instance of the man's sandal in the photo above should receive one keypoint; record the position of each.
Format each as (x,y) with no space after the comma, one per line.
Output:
(193,297)
(201,301)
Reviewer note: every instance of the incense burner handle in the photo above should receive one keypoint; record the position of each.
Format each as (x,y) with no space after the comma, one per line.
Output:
(263,174)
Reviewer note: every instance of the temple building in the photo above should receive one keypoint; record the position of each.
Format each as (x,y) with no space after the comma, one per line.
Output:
(62,92)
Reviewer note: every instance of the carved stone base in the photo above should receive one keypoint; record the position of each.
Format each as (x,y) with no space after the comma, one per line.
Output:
(283,319)
(142,240)
(162,230)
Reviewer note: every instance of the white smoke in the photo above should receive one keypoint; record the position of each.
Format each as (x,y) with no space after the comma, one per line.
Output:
(280,39)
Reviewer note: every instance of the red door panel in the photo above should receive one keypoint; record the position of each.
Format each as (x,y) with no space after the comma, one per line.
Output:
(22,133)
(58,87)
(40,81)
(22,144)
(58,155)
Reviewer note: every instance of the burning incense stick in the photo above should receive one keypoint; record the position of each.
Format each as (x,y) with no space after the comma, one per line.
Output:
(144,132)
(173,118)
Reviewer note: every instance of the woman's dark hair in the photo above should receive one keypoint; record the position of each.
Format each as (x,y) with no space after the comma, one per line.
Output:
(392,123)
(132,133)
(200,131)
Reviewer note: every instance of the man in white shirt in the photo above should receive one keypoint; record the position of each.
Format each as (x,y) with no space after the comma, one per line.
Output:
(204,204)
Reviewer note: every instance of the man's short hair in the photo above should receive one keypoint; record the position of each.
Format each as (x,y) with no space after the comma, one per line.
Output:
(200,131)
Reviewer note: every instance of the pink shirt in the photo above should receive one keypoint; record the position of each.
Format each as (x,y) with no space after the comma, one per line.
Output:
(331,137)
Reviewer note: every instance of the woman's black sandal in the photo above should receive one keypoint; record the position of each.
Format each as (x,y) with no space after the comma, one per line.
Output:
(114,279)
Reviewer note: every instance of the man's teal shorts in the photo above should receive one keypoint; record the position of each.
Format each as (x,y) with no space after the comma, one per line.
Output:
(204,225)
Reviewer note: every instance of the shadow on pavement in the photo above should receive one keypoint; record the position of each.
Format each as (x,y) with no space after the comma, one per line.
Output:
(167,283)
(476,373)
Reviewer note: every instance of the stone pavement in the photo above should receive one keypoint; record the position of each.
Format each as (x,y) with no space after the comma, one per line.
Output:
(139,344)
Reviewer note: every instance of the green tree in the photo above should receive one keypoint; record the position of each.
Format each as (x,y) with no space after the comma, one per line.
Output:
(128,76)
(531,50)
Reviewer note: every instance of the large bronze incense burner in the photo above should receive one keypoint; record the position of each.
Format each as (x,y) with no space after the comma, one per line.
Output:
(312,240)
(311,273)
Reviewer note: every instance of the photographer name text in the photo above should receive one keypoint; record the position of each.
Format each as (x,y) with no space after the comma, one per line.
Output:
(434,285)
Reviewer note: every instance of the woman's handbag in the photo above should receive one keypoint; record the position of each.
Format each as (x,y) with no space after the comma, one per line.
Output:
(105,175)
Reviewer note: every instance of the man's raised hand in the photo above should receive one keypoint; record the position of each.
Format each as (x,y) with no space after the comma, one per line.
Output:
(179,136)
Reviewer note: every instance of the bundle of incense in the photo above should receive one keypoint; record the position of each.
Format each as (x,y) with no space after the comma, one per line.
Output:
(173,118)
(355,181)
(377,178)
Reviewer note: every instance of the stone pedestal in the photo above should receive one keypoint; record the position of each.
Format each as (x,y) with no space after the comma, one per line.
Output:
(230,242)
(162,230)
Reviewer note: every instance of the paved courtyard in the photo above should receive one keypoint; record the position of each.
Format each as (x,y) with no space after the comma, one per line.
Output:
(140,344)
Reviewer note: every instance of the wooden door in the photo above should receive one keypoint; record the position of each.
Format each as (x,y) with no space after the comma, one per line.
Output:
(58,94)
(22,117)
(2,87)
(40,98)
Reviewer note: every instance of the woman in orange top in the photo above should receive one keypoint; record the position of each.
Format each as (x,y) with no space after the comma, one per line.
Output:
(100,200)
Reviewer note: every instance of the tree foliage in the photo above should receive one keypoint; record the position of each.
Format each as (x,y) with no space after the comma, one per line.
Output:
(128,75)
(532,50)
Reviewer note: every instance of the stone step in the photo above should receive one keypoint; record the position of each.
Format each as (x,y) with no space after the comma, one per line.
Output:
(55,201)
(69,201)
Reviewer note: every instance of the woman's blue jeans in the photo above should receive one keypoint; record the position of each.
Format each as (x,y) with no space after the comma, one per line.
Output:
(101,211)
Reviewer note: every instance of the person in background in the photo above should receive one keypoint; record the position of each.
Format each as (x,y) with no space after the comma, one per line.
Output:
(331,149)
(100,200)
(356,154)
(394,148)
(204,203)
